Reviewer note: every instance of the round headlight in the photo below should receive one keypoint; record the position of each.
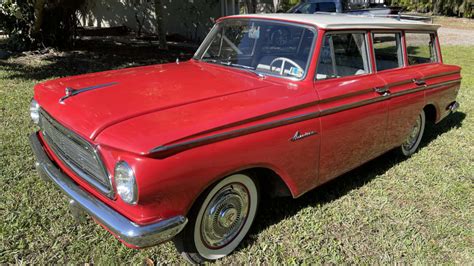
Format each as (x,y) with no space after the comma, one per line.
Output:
(34,111)
(125,182)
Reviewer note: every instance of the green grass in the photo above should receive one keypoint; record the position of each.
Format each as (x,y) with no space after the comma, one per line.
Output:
(391,210)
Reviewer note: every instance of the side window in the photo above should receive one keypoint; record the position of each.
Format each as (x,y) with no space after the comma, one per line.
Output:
(421,48)
(343,54)
(387,50)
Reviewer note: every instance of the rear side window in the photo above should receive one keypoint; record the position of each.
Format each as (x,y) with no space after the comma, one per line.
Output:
(343,54)
(421,48)
(387,50)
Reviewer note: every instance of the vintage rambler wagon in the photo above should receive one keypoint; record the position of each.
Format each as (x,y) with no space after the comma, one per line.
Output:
(270,105)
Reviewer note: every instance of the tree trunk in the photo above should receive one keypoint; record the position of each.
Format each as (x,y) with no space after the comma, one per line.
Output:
(160,24)
(437,5)
(39,14)
(251,5)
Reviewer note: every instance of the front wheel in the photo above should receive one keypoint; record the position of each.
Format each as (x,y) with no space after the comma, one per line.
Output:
(413,139)
(219,220)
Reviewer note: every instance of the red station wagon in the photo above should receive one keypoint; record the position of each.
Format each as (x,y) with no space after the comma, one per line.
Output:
(270,105)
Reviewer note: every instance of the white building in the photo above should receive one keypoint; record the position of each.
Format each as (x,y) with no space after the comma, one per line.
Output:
(188,18)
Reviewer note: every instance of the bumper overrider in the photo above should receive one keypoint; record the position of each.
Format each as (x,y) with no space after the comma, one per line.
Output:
(138,236)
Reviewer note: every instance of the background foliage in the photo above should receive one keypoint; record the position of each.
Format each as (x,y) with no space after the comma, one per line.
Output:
(24,21)
(35,23)
(460,8)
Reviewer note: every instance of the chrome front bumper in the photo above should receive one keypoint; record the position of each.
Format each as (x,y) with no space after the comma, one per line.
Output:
(138,236)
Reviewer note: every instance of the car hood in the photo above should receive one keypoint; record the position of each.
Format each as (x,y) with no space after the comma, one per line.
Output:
(113,97)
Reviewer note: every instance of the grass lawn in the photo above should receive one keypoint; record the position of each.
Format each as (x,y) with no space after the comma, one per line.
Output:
(391,210)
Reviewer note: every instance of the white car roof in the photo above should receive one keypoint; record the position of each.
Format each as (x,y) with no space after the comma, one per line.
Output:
(345,21)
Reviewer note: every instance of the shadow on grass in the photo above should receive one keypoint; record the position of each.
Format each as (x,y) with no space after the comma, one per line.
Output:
(90,56)
(274,210)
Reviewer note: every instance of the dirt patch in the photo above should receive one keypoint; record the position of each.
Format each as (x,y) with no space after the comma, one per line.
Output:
(455,31)
(93,55)
(452,36)
(455,23)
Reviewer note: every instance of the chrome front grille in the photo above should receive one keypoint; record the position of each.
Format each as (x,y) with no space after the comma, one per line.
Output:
(75,152)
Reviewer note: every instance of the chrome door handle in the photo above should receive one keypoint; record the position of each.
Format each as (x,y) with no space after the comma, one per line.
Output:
(419,82)
(384,91)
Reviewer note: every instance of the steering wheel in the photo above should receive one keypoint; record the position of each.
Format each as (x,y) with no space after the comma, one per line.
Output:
(283,62)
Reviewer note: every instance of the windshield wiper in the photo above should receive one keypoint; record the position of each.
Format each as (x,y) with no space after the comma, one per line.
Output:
(239,66)
(249,69)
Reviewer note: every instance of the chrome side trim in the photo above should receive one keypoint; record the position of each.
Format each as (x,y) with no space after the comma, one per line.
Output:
(167,150)
(443,74)
(127,231)
(408,81)
(70,92)
(400,83)
(441,84)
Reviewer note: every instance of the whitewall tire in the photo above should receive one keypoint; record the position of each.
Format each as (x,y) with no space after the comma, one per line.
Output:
(415,135)
(220,219)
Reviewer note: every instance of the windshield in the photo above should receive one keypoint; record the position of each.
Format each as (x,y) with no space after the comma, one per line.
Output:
(263,47)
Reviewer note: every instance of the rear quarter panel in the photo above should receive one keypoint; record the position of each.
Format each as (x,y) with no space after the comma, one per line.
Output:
(441,97)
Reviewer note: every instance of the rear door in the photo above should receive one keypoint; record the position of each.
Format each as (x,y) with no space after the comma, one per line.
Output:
(353,113)
(424,57)
(404,87)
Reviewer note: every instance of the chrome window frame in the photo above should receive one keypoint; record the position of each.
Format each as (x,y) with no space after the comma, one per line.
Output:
(435,46)
(402,48)
(367,48)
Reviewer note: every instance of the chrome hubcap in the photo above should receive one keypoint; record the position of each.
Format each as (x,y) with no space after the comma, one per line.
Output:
(225,215)
(413,136)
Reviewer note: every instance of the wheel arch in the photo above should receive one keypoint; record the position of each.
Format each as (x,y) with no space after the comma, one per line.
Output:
(431,113)
(274,183)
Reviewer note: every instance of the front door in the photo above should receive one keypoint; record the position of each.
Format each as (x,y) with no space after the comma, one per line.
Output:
(352,104)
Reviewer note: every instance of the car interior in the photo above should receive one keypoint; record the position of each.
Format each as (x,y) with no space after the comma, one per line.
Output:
(343,54)
(421,48)
(387,50)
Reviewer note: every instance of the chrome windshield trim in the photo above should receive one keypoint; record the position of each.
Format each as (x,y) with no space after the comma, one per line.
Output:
(205,44)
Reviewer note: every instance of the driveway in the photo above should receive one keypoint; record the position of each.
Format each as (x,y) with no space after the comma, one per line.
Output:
(453,36)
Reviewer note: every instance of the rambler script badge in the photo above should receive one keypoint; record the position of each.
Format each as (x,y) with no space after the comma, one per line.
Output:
(299,135)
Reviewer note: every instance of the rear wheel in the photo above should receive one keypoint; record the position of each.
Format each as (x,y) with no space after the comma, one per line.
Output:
(219,220)
(413,139)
